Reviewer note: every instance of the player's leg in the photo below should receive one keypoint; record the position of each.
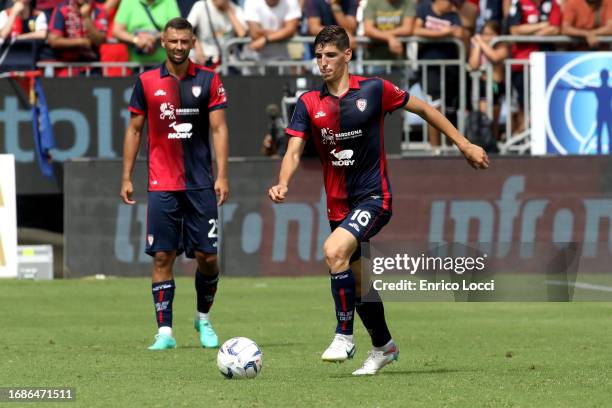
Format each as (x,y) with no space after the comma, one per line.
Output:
(206,279)
(365,222)
(201,241)
(338,249)
(163,242)
(369,307)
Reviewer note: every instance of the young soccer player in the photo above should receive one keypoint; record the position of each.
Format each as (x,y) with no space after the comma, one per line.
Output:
(345,120)
(180,101)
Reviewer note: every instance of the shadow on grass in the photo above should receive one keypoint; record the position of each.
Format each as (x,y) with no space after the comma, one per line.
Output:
(424,371)
(262,346)
(279,345)
(404,372)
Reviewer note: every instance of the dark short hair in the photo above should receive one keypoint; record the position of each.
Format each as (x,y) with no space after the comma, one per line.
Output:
(178,23)
(334,35)
(493,25)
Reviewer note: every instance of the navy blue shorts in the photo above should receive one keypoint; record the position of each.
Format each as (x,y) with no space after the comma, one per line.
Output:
(364,221)
(182,221)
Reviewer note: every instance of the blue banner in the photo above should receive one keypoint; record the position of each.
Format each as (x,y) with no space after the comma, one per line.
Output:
(576,92)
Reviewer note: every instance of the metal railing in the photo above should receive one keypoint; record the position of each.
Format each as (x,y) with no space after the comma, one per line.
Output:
(517,143)
(361,65)
(89,68)
(521,142)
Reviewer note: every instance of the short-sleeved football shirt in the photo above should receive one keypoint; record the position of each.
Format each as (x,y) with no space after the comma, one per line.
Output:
(347,132)
(177,121)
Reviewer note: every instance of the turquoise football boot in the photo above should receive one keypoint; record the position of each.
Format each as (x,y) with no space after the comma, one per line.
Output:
(208,337)
(163,342)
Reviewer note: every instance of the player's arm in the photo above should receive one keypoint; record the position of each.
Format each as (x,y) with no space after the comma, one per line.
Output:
(291,161)
(131,144)
(220,138)
(475,155)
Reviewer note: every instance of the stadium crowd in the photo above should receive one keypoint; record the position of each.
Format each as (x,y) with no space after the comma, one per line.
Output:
(129,31)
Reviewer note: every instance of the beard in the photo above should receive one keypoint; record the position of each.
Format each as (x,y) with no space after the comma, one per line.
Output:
(176,60)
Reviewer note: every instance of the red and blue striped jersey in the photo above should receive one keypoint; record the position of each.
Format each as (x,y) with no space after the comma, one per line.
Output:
(177,121)
(347,132)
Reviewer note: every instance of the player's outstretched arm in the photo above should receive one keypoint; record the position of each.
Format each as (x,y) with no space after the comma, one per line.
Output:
(475,155)
(218,125)
(131,144)
(291,161)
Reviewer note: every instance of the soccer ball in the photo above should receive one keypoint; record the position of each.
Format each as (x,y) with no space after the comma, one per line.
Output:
(239,357)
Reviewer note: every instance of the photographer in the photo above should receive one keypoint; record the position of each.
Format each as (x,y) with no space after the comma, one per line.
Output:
(274,143)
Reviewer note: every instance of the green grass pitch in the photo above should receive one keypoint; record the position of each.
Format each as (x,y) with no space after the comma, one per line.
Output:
(92,335)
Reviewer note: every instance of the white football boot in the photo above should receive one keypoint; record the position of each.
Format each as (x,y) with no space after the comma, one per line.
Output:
(341,348)
(377,359)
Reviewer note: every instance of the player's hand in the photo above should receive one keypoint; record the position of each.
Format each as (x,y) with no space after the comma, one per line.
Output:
(475,156)
(126,192)
(222,190)
(278,193)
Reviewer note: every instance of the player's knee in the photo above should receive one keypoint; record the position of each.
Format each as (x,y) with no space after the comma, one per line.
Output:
(207,263)
(163,260)
(336,259)
(162,266)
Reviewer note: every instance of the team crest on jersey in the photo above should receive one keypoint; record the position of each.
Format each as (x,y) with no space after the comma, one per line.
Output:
(167,111)
(328,136)
(196,90)
(362,104)
(150,239)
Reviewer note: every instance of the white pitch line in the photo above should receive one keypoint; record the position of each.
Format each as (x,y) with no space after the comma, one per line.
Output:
(580,285)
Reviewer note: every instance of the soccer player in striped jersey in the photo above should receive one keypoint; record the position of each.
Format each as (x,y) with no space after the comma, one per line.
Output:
(180,102)
(344,118)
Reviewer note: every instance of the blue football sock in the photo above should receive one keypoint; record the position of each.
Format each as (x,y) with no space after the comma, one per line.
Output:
(206,287)
(372,314)
(343,291)
(163,295)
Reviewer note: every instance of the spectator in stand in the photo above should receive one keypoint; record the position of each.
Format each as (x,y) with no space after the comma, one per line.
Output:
(489,10)
(47,7)
(185,6)
(480,53)
(77,29)
(321,13)
(270,23)
(214,22)
(112,50)
(587,19)
(468,11)
(139,23)
(384,21)
(110,6)
(530,17)
(23,22)
(439,19)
